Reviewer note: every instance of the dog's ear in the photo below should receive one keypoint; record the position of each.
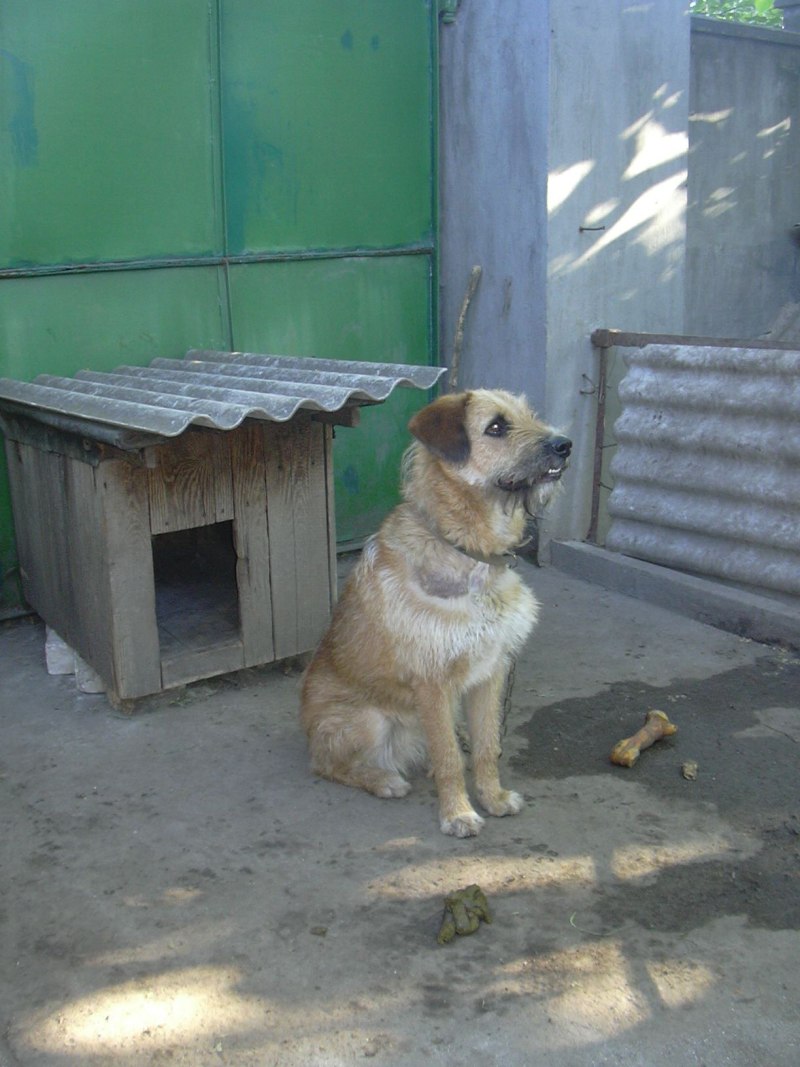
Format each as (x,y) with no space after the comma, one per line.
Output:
(441,427)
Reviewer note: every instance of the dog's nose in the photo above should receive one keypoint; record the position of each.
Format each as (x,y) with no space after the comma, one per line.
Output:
(560,446)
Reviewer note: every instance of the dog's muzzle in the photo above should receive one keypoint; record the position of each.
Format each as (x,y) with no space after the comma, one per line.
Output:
(558,450)
(552,462)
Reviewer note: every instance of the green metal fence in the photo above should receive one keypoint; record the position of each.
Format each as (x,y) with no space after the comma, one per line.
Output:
(247,174)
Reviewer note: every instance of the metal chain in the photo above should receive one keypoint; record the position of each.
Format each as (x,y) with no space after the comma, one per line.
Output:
(507,696)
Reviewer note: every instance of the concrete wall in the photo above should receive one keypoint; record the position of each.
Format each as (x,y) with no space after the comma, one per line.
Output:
(617,161)
(744,179)
(557,115)
(566,150)
(493,180)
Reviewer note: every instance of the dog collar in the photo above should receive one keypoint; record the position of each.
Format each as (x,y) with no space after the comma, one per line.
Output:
(504,559)
(501,559)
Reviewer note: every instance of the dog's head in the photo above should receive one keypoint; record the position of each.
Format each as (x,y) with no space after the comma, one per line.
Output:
(491,438)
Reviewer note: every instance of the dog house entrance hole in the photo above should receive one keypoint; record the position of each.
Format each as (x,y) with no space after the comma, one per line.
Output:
(197,601)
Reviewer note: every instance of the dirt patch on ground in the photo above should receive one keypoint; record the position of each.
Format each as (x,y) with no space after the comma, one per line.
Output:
(177,888)
(742,727)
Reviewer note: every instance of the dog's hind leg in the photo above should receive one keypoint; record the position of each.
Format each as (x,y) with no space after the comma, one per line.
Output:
(355,748)
(483,715)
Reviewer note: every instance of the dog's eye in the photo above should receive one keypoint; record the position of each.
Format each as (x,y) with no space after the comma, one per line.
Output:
(498,427)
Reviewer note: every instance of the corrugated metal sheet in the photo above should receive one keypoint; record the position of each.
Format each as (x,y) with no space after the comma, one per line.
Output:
(707,466)
(213,389)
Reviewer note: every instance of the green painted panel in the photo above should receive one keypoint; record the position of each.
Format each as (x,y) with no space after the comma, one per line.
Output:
(61,324)
(126,125)
(370,308)
(326,111)
(108,130)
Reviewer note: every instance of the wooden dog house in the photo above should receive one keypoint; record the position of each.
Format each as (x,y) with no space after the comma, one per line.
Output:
(176,521)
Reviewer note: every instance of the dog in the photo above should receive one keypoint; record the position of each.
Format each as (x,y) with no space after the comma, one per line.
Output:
(432,614)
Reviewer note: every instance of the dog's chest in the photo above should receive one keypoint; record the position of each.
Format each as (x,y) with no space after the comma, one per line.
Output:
(501,609)
(500,618)
(475,622)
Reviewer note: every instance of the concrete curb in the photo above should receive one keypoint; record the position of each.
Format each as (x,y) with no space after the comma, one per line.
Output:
(727,608)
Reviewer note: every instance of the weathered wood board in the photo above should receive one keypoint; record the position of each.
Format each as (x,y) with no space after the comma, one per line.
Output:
(88,531)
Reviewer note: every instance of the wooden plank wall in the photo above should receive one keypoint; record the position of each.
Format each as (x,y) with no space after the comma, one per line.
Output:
(252,544)
(85,544)
(296,464)
(38,486)
(190,482)
(128,561)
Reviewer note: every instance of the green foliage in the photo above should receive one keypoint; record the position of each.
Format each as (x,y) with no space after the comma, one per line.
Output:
(755,12)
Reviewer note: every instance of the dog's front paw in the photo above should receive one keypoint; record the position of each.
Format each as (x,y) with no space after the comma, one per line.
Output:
(465,824)
(504,802)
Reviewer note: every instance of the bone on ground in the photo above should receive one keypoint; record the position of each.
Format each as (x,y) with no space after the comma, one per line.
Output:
(656,726)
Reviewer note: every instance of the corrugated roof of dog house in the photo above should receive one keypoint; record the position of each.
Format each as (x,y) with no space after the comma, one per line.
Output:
(213,389)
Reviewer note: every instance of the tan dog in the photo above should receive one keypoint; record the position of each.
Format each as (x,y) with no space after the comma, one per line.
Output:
(432,614)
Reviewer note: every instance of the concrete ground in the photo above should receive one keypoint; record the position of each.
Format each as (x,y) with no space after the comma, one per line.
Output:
(178,889)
